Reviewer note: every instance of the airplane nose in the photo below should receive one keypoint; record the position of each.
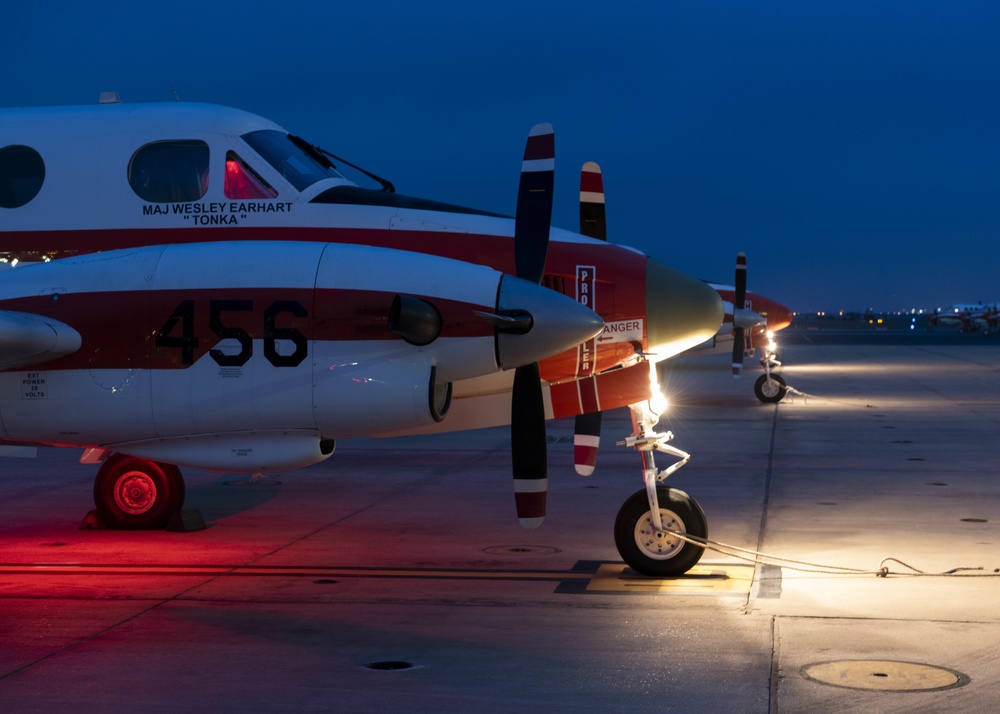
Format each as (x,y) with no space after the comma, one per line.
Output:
(681,311)
(779,318)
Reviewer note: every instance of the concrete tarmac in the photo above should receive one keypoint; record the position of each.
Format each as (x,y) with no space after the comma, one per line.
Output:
(395,577)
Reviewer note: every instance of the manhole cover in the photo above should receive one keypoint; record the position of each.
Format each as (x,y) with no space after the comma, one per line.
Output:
(883,675)
(521,550)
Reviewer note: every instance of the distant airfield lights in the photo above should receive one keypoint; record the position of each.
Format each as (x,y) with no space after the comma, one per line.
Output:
(14,262)
(868,316)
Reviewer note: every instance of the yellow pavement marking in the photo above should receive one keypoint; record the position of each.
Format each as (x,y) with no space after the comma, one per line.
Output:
(701,579)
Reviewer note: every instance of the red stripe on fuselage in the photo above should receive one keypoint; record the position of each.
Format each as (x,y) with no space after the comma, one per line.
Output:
(622,285)
(120,329)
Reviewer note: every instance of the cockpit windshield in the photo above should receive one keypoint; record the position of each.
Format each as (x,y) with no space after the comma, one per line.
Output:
(289,158)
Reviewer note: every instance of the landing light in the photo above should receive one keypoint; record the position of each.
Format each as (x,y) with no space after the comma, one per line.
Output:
(658,403)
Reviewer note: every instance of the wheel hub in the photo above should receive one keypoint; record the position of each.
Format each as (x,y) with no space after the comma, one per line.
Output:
(135,492)
(770,388)
(658,544)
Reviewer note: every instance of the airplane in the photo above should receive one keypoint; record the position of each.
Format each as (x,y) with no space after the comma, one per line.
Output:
(750,327)
(192,285)
(967,317)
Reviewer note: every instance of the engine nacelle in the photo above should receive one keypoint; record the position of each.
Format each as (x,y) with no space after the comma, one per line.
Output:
(239,452)
(250,355)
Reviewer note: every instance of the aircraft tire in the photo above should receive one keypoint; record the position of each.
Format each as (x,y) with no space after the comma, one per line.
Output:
(136,494)
(663,556)
(770,392)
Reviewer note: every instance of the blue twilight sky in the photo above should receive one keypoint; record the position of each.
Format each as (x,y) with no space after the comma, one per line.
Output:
(850,147)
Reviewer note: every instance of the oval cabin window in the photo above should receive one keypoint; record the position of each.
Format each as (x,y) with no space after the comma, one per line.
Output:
(22,172)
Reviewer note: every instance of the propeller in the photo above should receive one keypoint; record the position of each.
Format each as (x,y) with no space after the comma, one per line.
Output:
(527,408)
(593,224)
(739,303)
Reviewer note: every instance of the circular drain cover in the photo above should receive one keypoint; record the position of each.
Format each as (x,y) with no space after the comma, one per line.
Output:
(393,665)
(884,676)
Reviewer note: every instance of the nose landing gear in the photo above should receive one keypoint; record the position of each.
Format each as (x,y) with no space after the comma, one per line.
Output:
(647,523)
(770,387)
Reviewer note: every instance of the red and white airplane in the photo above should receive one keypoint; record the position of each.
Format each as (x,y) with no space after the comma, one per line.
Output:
(194,286)
(967,317)
(750,327)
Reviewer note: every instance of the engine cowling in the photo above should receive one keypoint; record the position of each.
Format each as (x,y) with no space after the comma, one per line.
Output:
(191,354)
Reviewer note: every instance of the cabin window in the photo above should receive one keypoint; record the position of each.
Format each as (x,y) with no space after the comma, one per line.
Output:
(22,172)
(242,182)
(300,167)
(170,171)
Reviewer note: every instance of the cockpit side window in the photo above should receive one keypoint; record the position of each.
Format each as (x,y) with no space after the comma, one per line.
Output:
(290,160)
(170,171)
(242,182)
(22,172)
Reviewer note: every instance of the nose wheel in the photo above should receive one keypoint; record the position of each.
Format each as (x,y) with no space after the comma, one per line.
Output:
(653,550)
(770,388)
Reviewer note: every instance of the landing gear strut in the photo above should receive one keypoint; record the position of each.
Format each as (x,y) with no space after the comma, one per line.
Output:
(135,494)
(646,523)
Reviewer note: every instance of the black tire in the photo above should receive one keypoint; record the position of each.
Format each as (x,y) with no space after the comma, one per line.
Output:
(664,556)
(136,494)
(770,391)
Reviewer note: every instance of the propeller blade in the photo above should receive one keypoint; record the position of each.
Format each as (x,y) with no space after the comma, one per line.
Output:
(740,301)
(527,408)
(593,223)
(739,304)
(534,203)
(586,440)
(738,347)
(528,450)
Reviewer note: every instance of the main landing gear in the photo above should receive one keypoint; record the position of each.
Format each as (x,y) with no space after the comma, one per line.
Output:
(648,521)
(137,494)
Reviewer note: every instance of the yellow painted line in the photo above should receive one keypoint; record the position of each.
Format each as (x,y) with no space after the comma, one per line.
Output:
(701,579)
